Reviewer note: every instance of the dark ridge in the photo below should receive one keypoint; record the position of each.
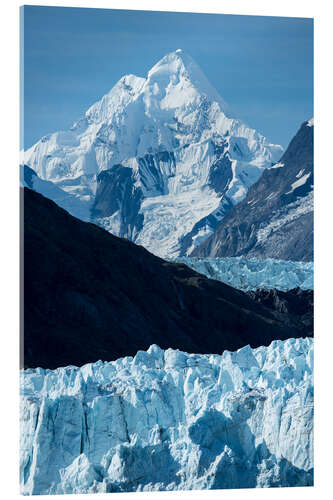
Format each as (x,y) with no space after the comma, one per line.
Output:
(296,303)
(27,176)
(90,295)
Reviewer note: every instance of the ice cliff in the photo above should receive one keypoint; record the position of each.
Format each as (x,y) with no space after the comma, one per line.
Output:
(252,273)
(168,420)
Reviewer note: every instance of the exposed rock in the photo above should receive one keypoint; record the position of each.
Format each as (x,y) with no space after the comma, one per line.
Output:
(275,219)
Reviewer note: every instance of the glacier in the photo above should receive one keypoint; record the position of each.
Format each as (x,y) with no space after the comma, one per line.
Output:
(169,420)
(168,140)
(251,273)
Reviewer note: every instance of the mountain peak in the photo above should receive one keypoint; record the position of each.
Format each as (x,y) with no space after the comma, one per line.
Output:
(174,62)
(165,135)
(179,67)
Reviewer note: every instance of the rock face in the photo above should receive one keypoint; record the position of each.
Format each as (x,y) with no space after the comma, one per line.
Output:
(295,303)
(159,160)
(167,420)
(251,273)
(275,219)
(90,295)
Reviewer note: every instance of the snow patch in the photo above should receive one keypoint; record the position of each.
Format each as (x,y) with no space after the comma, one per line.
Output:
(300,173)
(271,195)
(299,183)
(277,165)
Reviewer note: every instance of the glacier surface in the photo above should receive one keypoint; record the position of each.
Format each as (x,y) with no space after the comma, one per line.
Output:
(252,273)
(168,420)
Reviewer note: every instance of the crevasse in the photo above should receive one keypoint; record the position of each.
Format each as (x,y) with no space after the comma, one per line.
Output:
(168,420)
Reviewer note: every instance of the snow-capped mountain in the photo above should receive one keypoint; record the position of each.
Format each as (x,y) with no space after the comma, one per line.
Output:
(168,420)
(80,208)
(275,219)
(159,159)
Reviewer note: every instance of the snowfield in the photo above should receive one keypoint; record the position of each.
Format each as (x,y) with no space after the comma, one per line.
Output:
(168,420)
(251,273)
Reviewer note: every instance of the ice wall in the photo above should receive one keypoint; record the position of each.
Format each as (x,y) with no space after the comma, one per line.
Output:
(167,420)
(251,273)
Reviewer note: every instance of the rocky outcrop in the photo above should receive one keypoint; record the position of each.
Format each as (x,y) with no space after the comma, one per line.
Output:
(275,219)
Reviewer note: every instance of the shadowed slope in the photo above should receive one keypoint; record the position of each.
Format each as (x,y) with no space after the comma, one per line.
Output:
(90,295)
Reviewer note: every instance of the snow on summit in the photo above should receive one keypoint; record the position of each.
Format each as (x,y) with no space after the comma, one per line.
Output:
(179,75)
(168,143)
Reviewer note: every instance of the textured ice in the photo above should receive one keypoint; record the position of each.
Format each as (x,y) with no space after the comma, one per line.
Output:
(168,420)
(252,273)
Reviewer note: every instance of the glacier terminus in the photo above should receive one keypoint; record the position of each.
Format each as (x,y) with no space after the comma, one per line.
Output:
(251,273)
(168,420)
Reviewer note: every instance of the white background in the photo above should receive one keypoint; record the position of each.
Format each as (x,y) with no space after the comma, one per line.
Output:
(9,231)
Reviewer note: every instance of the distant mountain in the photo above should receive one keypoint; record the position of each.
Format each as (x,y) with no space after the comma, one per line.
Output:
(275,219)
(90,295)
(158,160)
(75,206)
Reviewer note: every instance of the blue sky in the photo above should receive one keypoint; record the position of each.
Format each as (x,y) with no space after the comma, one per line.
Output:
(262,66)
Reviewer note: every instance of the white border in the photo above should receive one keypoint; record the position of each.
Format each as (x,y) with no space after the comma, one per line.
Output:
(322,12)
(296,8)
